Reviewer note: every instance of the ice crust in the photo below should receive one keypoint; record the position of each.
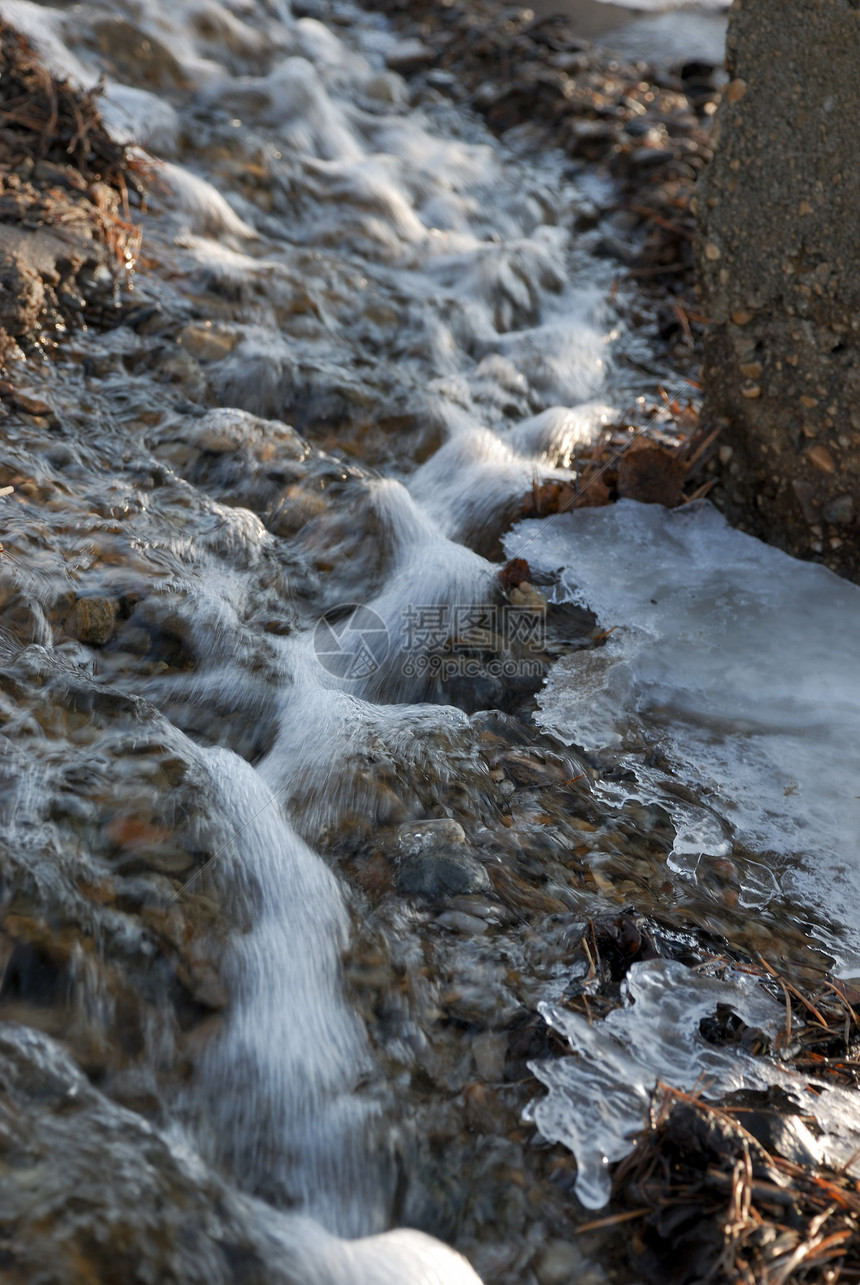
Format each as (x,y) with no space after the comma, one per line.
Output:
(741,664)
(599,1098)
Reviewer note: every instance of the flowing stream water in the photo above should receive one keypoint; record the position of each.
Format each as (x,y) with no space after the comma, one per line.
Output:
(325,248)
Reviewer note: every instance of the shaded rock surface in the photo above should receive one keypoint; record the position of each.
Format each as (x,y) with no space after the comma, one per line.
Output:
(439,871)
(151,1218)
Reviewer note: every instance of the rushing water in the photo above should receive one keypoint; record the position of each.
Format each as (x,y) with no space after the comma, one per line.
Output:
(325,249)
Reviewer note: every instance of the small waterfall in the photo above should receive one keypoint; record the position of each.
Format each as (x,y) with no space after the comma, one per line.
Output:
(281,1084)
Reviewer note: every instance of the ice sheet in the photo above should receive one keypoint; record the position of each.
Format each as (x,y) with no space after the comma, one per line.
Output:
(741,664)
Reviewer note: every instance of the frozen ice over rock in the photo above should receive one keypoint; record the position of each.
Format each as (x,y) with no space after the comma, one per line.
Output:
(600,1098)
(741,664)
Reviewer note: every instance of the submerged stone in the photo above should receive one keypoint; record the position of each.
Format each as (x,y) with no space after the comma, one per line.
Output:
(441,872)
(93,620)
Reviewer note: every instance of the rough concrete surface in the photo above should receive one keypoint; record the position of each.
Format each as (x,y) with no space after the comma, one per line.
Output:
(779,265)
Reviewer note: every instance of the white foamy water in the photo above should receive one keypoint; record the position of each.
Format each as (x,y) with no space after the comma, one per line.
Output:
(659,31)
(393,1258)
(674,37)
(295,1129)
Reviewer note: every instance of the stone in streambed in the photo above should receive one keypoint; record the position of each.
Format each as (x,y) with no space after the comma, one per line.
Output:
(93,620)
(839,511)
(421,836)
(207,342)
(560,1262)
(409,55)
(441,873)
(433,861)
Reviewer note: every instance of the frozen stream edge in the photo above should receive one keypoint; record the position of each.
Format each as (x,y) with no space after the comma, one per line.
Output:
(407,202)
(740,663)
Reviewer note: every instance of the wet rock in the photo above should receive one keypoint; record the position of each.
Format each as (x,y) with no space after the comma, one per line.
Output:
(225,429)
(437,872)
(387,87)
(137,57)
(207,341)
(94,620)
(490,1050)
(408,55)
(840,510)
(203,984)
(527,597)
(423,836)
(128,1208)
(646,157)
(168,859)
(560,1263)
(266,466)
(34,973)
(96,745)
(22,287)
(26,621)
(182,372)
(458,922)
(39,271)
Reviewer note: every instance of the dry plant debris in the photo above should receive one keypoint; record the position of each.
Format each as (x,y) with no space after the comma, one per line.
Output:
(732,1192)
(711,1196)
(48,119)
(658,463)
(66,234)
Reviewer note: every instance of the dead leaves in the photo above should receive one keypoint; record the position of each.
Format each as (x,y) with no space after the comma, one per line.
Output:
(46,118)
(739,1192)
(647,464)
(652,473)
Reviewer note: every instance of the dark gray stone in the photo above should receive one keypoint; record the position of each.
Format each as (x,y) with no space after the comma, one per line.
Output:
(441,872)
(840,510)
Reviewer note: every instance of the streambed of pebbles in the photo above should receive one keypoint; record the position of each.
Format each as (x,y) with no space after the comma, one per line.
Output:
(476,858)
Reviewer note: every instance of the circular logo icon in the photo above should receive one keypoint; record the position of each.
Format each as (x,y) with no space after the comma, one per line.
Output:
(351,642)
